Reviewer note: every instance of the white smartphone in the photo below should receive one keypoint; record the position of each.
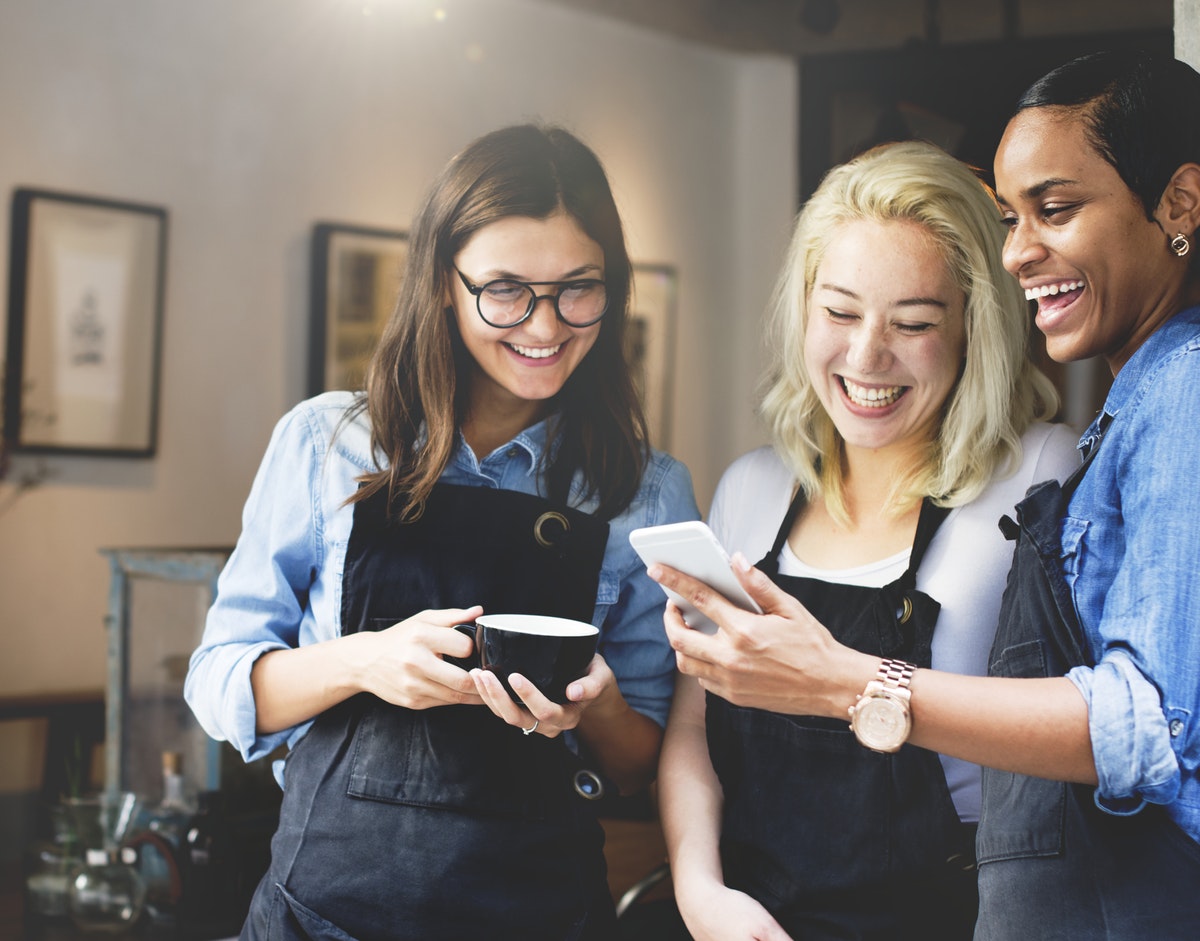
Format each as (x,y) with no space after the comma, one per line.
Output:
(693,549)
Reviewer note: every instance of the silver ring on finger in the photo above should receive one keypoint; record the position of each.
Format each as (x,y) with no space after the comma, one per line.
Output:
(532,728)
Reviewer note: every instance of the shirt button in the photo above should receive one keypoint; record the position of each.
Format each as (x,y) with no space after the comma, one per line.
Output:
(513,452)
(1176,727)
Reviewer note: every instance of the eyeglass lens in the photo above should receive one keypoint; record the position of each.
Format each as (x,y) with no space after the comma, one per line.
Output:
(579,303)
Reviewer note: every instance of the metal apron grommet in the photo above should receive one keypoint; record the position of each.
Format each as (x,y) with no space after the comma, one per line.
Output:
(548,538)
(904,612)
(588,785)
(550,528)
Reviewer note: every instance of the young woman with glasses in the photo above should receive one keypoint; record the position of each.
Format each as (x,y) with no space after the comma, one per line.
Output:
(496,462)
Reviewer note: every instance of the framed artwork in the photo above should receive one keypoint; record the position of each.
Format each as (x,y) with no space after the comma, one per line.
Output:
(650,345)
(85,300)
(355,277)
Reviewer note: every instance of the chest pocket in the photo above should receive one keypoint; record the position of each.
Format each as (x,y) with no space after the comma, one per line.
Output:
(1074,543)
(608,591)
(1020,816)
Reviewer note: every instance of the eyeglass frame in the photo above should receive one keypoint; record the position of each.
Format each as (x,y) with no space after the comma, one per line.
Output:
(476,290)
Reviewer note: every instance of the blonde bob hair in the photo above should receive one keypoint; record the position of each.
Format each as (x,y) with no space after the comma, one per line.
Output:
(1000,391)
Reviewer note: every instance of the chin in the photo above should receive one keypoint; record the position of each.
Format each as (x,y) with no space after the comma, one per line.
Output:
(1067,349)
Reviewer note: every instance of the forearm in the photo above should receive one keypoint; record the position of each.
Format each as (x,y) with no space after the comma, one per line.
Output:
(294,685)
(788,662)
(624,742)
(689,793)
(1037,727)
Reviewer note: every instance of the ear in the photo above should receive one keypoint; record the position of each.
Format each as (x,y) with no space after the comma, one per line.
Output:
(1179,208)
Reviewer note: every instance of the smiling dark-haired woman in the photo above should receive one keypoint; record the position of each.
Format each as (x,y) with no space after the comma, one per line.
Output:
(1089,726)
(497,462)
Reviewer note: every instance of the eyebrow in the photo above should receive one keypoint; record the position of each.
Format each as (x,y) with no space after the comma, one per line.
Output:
(1039,189)
(903,302)
(503,274)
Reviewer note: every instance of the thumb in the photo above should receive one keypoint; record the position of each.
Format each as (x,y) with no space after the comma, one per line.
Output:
(769,596)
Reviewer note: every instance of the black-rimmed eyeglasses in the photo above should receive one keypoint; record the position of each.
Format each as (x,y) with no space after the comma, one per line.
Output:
(505,302)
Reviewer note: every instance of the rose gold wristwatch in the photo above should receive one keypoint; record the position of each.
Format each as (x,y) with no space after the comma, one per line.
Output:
(880,717)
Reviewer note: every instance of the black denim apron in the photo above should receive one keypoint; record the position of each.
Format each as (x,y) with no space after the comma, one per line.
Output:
(1052,865)
(443,823)
(835,840)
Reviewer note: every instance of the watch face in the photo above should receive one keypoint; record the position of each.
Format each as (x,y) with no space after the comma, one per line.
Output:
(881,723)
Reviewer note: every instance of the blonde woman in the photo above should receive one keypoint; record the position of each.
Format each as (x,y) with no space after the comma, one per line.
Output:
(907,418)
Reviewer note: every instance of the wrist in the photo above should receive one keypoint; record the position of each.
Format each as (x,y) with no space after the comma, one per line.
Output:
(854,671)
(355,658)
(881,718)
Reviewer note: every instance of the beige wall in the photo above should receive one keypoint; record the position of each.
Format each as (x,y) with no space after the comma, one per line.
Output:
(250,121)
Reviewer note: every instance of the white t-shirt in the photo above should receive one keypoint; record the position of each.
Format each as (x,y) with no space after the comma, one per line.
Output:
(964,570)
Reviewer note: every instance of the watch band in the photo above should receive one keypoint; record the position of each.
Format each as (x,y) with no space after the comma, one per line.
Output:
(896,673)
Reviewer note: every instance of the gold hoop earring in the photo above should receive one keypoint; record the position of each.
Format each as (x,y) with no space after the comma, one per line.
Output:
(1180,245)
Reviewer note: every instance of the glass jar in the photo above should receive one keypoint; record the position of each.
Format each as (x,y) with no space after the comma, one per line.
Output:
(106,893)
(50,865)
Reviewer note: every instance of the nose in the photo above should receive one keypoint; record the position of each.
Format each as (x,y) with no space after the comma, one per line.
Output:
(543,319)
(868,351)
(1022,246)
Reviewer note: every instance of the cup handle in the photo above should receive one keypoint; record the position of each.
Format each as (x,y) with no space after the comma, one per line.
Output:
(469,662)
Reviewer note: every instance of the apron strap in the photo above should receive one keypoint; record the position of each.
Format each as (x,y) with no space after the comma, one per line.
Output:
(930,518)
(928,522)
(785,528)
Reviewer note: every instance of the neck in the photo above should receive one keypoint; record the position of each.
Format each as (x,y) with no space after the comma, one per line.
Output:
(870,477)
(492,421)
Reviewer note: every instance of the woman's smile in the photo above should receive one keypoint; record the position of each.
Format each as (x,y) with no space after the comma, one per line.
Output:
(885,336)
(535,352)
(1079,241)
(871,397)
(519,369)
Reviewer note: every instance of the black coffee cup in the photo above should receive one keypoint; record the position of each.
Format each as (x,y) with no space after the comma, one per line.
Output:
(550,652)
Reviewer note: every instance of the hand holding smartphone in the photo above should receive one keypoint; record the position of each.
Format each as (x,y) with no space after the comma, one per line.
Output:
(692,548)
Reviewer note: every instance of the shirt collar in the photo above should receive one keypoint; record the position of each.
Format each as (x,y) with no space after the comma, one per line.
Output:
(1159,344)
(532,440)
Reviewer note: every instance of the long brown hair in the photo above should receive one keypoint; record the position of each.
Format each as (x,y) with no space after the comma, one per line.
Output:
(418,379)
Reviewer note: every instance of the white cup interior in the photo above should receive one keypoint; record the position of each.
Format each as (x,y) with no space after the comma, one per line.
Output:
(537,624)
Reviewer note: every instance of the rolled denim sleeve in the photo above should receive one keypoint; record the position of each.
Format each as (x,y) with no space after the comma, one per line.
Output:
(1130,739)
(634,642)
(1135,589)
(262,592)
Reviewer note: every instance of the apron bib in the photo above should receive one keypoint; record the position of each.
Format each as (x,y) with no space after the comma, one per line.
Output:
(443,823)
(1052,865)
(835,840)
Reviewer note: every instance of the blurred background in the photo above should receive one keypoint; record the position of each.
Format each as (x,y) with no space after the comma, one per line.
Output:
(249,122)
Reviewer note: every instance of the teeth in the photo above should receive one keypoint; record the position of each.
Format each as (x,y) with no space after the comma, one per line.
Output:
(536,352)
(873,397)
(1047,290)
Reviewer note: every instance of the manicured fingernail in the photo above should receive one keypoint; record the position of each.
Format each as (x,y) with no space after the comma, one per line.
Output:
(654,571)
(574,691)
(740,562)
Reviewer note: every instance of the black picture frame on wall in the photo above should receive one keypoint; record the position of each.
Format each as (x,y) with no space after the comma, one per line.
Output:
(85,312)
(650,344)
(355,274)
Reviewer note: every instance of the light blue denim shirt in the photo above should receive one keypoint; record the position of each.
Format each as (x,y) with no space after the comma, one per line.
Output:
(282,586)
(1131,553)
